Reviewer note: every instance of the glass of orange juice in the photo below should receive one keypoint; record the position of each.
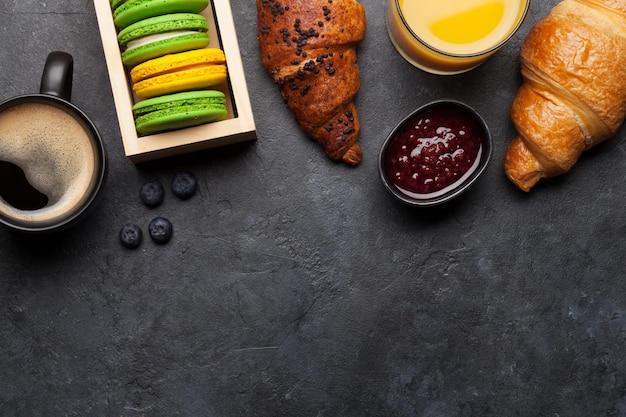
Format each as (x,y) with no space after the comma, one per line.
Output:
(452,36)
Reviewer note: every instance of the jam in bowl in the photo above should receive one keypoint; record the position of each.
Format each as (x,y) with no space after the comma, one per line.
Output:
(435,153)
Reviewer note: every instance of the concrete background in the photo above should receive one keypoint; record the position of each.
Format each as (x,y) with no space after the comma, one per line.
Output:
(295,286)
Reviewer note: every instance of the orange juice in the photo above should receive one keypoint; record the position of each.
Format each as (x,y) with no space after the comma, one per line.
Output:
(452,36)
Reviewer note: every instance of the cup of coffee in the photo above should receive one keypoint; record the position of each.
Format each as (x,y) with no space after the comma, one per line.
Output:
(53,162)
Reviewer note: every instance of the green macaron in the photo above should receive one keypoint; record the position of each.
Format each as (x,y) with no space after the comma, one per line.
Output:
(160,35)
(115,3)
(127,12)
(180,110)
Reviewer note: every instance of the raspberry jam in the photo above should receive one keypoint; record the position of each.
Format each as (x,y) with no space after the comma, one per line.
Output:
(433,151)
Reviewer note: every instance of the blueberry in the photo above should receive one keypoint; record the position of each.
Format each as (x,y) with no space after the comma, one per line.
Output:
(160,230)
(184,185)
(152,193)
(130,235)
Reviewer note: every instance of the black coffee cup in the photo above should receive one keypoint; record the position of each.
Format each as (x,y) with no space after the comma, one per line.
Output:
(53,161)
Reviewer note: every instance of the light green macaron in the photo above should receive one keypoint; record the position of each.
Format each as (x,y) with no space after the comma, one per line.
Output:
(160,35)
(127,12)
(180,110)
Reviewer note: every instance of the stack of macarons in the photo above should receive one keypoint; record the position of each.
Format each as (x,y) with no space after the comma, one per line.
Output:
(164,43)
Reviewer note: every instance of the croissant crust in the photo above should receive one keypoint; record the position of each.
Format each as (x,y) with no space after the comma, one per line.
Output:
(309,48)
(573,97)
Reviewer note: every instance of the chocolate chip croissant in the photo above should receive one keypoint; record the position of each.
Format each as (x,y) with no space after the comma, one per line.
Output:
(309,48)
(574,91)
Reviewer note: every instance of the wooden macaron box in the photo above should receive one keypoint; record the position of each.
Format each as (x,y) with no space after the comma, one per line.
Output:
(238,126)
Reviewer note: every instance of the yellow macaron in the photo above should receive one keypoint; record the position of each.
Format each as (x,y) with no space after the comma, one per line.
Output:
(185,71)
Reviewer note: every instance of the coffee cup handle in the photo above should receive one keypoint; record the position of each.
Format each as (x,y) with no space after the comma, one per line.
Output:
(57,75)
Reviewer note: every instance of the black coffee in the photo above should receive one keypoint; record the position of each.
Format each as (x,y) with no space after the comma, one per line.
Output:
(17,191)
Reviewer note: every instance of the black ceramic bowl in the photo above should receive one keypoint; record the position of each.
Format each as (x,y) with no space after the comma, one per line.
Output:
(435,153)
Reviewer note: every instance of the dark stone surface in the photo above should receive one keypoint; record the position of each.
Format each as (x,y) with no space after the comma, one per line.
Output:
(295,286)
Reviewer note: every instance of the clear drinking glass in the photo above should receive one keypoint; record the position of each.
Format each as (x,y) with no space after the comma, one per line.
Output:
(452,36)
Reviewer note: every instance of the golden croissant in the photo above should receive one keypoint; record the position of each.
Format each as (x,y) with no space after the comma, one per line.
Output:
(573,97)
(309,48)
